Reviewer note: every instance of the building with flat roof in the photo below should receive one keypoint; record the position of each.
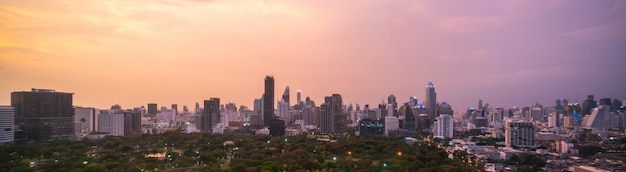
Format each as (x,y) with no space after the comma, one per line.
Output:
(43,115)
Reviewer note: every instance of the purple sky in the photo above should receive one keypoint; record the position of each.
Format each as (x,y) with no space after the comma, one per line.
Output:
(507,53)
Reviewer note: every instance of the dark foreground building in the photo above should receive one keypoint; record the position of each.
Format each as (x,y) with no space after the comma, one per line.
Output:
(43,115)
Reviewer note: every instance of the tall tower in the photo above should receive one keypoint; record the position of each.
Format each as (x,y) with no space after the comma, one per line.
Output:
(299,96)
(431,100)
(393,105)
(286,96)
(268,101)
(211,114)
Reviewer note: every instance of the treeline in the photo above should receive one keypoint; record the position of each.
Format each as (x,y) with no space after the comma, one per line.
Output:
(175,151)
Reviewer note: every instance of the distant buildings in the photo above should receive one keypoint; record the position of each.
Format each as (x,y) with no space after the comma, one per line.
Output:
(7,119)
(43,115)
(116,122)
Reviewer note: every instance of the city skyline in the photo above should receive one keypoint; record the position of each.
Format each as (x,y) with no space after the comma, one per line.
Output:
(507,54)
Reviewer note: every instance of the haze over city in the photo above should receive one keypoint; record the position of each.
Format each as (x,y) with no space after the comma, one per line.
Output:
(507,53)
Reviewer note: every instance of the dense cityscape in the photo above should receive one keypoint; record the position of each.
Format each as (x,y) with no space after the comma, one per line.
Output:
(586,136)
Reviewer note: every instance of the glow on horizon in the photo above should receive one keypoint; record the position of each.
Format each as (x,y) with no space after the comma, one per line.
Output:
(508,53)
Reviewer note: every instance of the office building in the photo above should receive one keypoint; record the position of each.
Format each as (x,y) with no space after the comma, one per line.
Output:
(326,118)
(152,109)
(111,123)
(7,119)
(599,119)
(268,101)
(286,96)
(43,115)
(132,123)
(409,118)
(175,108)
(444,127)
(211,114)
(368,127)
(391,124)
(519,133)
(588,105)
(84,121)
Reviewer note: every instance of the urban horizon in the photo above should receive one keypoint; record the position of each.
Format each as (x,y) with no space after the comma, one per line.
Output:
(400,101)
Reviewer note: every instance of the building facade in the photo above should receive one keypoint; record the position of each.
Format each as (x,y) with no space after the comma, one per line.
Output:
(519,133)
(43,115)
(268,101)
(444,127)
(7,119)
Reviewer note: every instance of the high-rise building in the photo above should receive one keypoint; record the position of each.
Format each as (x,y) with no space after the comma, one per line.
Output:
(391,124)
(7,119)
(326,118)
(431,100)
(299,96)
(536,113)
(599,119)
(393,105)
(175,108)
(132,123)
(444,126)
(152,109)
(588,105)
(111,123)
(409,118)
(84,121)
(286,96)
(268,101)
(519,133)
(43,115)
(211,114)
(339,118)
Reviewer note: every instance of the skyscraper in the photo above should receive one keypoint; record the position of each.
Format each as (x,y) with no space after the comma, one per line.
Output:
(588,105)
(286,96)
(393,105)
(299,96)
(43,115)
(211,114)
(175,108)
(431,100)
(153,109)
(7,119)
(326,118)
(268,101)
(409,118)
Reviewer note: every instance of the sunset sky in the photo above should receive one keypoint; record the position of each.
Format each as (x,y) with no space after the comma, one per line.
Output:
(132,52)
